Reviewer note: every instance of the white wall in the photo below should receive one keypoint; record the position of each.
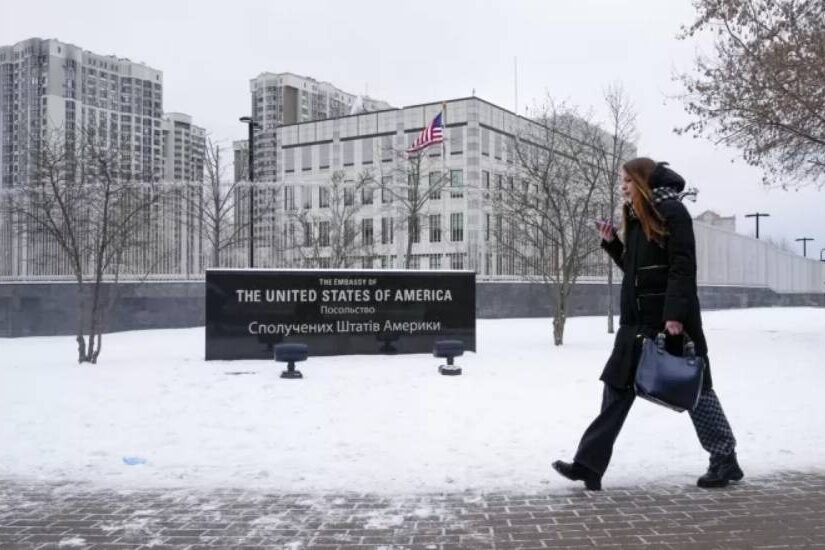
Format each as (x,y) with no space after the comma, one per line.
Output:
(727,258)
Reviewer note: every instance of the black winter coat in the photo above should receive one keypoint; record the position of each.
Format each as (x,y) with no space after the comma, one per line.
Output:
(659,285)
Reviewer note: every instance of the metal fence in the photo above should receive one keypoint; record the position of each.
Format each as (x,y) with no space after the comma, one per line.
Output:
(176,247)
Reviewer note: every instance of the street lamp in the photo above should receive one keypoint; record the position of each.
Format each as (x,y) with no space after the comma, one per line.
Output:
(804,245)
(757,215)
(251,158)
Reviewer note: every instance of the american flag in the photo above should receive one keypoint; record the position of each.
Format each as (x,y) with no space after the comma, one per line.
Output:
(433,133)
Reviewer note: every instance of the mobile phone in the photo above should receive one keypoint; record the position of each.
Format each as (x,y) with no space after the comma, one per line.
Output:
(602,223)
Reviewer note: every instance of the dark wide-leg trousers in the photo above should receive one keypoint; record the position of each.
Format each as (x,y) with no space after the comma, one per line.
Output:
(596,446)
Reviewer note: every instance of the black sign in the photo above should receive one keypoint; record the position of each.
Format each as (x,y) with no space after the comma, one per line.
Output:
(336,312)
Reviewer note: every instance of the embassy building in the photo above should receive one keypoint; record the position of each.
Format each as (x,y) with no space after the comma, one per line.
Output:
(342,191)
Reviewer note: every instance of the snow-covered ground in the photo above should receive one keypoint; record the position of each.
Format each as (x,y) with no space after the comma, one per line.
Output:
(393,424)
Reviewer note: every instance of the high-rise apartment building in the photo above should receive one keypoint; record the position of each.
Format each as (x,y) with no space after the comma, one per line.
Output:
(286,98)
(48,87)
(184,146)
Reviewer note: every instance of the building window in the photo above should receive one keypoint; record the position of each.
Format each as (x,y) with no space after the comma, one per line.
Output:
(289,197)
(386,193)
(485,183)
(485,142)
(498,146)
(435,261)
(307,234)
(456,260)
(289,235)
(387,231)
(366,194)
(349,153)
(435,185)
(487,227)
(324,154)
(306,158)
(289,160)
(456,141)
(349,194)
(386,149)
(415,229)
(499,186)
(323,197)
(412,190)
(366,231)
(457,227)
(349,231)
(366,151)
(323,233)
(435,228)
(306,194)
(456,184)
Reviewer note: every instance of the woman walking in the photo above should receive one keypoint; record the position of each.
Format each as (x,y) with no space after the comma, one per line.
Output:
(658,257)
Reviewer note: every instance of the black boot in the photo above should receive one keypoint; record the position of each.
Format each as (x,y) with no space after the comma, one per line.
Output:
(721,472)
(577,472)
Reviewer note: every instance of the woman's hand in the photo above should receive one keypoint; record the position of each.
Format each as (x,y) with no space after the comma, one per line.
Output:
(606,231)
(674,328)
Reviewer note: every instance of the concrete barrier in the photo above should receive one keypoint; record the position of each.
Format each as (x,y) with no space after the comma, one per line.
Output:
(45,309)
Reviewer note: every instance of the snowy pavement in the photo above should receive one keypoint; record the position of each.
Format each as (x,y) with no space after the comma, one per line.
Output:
(154,414)
(775,512)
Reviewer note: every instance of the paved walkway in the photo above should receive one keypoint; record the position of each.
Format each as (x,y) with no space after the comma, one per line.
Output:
(783,511)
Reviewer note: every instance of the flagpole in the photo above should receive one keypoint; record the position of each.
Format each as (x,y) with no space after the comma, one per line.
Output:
(444,142)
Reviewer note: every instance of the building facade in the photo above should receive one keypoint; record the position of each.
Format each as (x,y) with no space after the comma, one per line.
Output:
(455,228)
(709,217)
(184,148)
(286,98)
(49,86)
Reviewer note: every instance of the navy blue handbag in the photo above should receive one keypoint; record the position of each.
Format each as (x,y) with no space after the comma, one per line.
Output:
(669,380)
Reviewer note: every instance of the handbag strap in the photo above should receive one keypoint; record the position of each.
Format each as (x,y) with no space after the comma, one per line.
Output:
(688,346)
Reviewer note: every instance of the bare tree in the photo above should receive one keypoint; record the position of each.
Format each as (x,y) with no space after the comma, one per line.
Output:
(211,205)
(613,152)
(334,234)
(422,181)
(762,91)
(77,197)
(544,215)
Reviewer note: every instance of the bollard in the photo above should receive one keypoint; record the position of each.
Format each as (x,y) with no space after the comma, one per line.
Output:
(448,349)
(290,354)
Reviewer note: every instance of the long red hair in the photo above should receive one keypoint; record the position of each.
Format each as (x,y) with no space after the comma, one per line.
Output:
(641,197)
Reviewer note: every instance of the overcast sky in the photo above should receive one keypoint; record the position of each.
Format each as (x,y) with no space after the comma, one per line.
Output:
(416,52)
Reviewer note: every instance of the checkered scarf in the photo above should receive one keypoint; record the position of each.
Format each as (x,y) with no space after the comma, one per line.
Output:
(660,194)
(664,193)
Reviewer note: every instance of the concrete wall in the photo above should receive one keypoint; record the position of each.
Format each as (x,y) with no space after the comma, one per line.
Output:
(41,309)
(728,258)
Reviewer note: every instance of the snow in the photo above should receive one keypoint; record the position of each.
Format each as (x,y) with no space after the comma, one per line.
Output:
(71,542)
(393,425)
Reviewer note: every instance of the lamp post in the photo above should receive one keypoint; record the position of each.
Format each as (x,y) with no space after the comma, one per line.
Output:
(252,125)
(804,245)
(757,215)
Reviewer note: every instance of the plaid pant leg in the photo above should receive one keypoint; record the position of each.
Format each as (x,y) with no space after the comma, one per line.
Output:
(712,426)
